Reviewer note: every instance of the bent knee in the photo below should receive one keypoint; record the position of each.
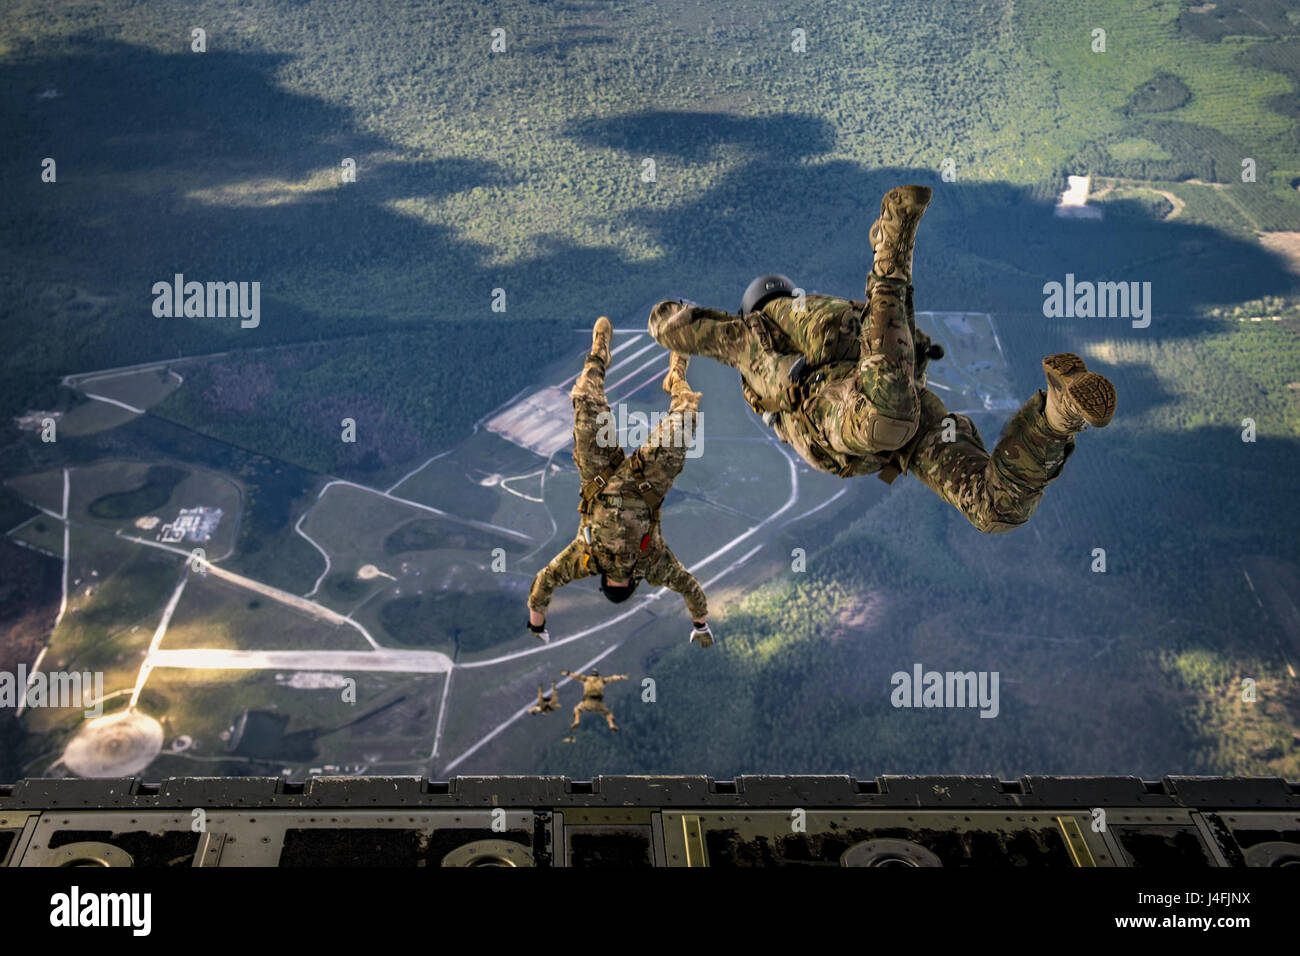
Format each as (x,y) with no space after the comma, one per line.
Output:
(659,316)
(890,434)
(890,429)
(891,410)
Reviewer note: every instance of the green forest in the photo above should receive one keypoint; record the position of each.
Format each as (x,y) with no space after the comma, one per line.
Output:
(523,170)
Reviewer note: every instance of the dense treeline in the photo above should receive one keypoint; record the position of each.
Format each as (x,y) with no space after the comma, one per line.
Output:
(1194,152)
(523,171)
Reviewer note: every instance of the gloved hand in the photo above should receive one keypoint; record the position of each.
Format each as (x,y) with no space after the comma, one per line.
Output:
(540,632)
(701,633)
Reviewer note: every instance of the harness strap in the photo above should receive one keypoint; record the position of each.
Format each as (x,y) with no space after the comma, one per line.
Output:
(644,489)
(590,489)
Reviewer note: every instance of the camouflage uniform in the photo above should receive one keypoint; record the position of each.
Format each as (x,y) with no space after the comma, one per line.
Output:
(863,407)
(593,696)
(619,532)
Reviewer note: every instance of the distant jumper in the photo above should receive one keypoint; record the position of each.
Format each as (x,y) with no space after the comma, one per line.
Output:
(593,696)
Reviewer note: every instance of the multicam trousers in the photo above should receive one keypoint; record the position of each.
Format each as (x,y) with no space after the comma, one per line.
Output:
(865,393)
(662,455)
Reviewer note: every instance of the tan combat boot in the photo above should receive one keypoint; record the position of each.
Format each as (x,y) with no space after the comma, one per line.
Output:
(676,371)
(893,235)
(682,327)
(675,383)
(1076,397)
(590,383)
(601,334)
(886,330)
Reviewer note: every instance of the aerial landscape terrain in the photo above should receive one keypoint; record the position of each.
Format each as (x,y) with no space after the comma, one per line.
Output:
(302,543)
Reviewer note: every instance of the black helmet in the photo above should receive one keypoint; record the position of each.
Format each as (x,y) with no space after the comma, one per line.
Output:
(617,594)
(763,290)
(594,672)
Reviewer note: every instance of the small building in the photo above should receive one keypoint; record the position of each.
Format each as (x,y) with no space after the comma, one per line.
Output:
(192,524)
(1073,203)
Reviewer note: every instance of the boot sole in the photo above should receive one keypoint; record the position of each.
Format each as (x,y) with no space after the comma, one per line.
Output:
(907,198)
(1092,393)
(905,201)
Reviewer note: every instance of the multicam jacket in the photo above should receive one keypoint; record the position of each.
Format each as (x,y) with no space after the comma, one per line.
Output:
(617,536)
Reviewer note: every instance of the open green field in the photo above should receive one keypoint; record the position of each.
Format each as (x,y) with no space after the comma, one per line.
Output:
(42,489)
(388,725)
(213,613)
(42,533)
(116,495)
(139,389)
(116,593)
(89,417)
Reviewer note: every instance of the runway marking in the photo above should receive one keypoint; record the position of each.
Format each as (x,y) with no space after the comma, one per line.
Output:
(67,544)
(63,601)
(839,494)
(145,668)
(442,714)
(481,525)
(379,658)
(311,608)
(613,368)
(385,659)
(496,731)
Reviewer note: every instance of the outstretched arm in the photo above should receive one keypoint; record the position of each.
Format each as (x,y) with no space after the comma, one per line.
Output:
(564,567)
(574,675)
(666,571)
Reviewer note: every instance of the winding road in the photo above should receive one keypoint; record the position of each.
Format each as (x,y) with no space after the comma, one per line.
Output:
(633,376)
